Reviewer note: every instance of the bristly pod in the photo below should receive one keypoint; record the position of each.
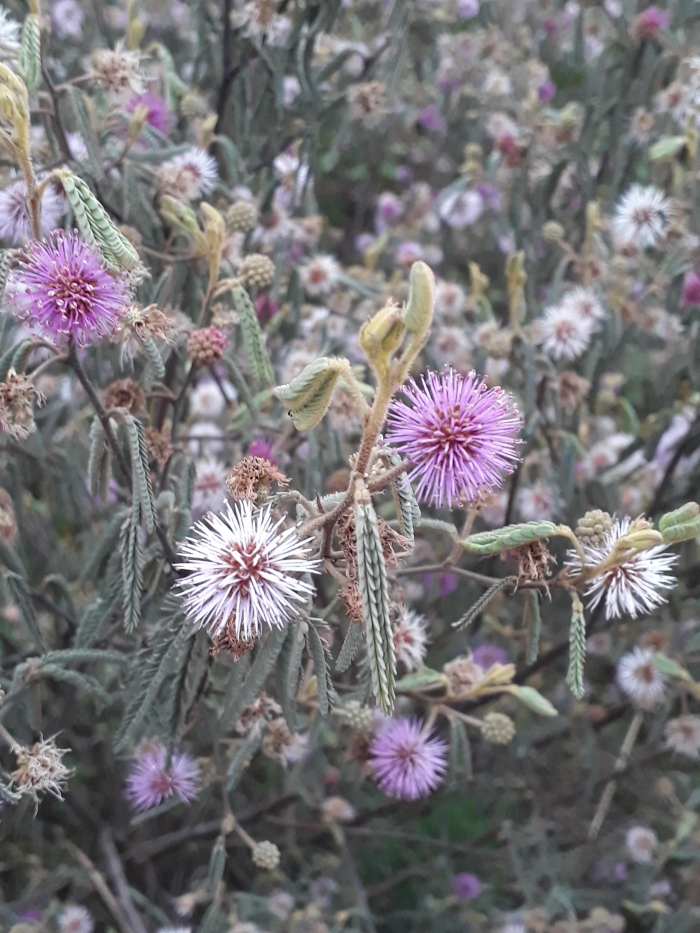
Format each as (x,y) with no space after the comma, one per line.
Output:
(512,536)
(577,647)
(253,339)
(309,394)
(372,581)
(683,524)
(29,60)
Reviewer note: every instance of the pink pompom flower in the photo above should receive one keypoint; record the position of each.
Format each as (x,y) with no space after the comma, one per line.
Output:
(61,289)
(459,435)
(407,763)
(151,781)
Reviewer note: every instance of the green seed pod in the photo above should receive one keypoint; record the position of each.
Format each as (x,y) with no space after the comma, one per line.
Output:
(504,539)
(309,394)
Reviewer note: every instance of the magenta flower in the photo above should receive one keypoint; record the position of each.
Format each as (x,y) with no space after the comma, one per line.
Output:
(487,655)
(261,447)
(467,886)
(546,91)
(157,113)
(648,24)
(407,763)
(459,435)
(691,289)
(62,290)
(431,119)
(151,782)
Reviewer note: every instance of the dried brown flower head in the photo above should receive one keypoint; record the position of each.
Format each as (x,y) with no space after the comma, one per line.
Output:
(158,445)
(367,101)
(125,393)
(118,72)
(533,560)
(573,389)
(40,769)
(251,479)
(463,675)
(262,707)
(17,394)
(227,640)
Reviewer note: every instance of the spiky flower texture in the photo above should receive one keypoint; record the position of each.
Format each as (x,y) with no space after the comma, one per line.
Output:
(61,289)
(152,781)
(241,565)
(407,763)
(635,587)
(459,435)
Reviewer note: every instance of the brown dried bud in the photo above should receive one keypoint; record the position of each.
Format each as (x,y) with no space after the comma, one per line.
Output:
(8,521)
(242,216)
(16,411)
(533,560)
(158,445)
(206,345)
(125,393)
(257,270)
(251,479)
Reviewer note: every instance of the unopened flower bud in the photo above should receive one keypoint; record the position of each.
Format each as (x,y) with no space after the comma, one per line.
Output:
(206,345)
(498,729)
(242,216)
(266,855)
(257,270)
(553,231)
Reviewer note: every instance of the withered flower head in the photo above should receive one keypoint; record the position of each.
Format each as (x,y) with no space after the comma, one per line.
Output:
(117,71)
(227,640)
(533,560)
(16,411)
(158,445)
(251,479)
(125,393)
(40,769)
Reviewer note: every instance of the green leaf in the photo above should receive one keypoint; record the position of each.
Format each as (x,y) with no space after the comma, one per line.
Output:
(670,667)
(666,149)
(421,679)
(482,602)
(253,339)
(29,60)
(533,700)
(512,536)
(577,647)
(309,394)
(352,641)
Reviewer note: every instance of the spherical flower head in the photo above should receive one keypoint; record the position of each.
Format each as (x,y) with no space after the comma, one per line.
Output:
(206,345)
(320,275)
(407,763)
(40,769)
(642,216)
(151,781)
(411,639)
(565,334)
(640,843)
(261,447)
(266,855)
(467,886)
(682,735)
(546,91)
(431,119)
(209,485)
(583,302)
(61,289)
(636,586)
(459,435)
(487,655)
(649,23)
(67,17)
(157,114)
(14,219)
(640,679)
(240,564)
(75,919)
(691,289)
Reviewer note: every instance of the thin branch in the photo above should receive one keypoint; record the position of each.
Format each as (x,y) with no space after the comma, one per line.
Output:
(116,870)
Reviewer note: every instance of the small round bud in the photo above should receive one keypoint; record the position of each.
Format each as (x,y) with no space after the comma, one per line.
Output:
(258,270)
(266,855)
(358,716)
(593,526)
(337,810)
(553,231)
(206,345)
(497,728)
(242,216)
(192,105)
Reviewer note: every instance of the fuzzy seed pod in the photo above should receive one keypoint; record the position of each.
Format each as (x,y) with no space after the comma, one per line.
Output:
(206,345)
(242,216)
(257,270)
(593,526)
(498,729)
(266,855)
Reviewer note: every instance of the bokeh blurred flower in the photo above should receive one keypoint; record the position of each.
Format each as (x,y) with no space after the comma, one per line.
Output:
(640,843)
(152,780)
(642,216)
(467,886)
(640,679)
(75,918)
(682,735)
(411,639)
(14,218)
